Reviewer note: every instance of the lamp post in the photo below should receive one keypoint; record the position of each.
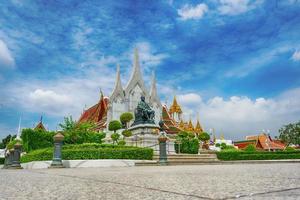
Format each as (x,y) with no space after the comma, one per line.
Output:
(162,139)
(57,160)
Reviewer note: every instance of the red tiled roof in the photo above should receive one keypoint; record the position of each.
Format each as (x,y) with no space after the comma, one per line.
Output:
(40,126)
(261,141)
(96,114)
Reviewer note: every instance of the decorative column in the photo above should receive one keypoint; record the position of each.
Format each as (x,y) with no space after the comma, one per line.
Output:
(162,139)
(7,162)
(16,156)
(57,161)
(10,158)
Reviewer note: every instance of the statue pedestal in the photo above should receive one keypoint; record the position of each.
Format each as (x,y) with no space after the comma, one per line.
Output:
(144,135)
(142,129)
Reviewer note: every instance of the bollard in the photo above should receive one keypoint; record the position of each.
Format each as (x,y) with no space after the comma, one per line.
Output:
(16,156)
(57,160)
(162,139)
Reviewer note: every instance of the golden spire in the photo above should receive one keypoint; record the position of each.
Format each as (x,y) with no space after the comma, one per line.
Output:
(190,126)
(222,136)
(198,128)
(175,107)
(181,125)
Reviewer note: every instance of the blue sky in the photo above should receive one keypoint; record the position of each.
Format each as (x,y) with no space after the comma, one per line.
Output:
(233,63)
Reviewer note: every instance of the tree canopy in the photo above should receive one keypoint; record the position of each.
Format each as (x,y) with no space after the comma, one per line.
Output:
(114,125)
(290,133)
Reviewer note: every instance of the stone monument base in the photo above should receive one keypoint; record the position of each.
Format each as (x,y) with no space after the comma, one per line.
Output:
(146,135)
(142,129)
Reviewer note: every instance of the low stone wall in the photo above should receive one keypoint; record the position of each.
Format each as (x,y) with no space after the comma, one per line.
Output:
(82,163)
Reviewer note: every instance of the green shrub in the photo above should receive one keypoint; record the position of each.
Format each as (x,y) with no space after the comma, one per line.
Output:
(250,148)
(122,143)
(203,136)
(36,139)
(223,146)
(91,151)
(114,125)
(243,155)
(126,133)
(190,146)
(125,118)
(2,161)
(218,145)
(115,137)
(289,149)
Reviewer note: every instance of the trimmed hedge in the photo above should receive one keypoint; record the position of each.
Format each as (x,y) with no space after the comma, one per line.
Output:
(91,151)
(243,155)
(2,161)
(188,146)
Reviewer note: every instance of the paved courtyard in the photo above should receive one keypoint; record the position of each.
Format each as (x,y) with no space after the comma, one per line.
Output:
(246,181)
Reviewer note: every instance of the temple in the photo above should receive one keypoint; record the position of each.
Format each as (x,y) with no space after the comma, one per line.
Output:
(262,141)
(123,99)
(126,100)
(174,122)
(40,125)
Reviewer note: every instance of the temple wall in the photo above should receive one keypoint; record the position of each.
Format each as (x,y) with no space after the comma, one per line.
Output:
(118,107)
(134,97)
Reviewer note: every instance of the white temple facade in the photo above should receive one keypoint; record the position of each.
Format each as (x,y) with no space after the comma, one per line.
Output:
(126,99)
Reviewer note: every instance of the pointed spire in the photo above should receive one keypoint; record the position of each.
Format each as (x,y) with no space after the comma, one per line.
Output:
(19,130)
(101,94)
(136,76)
(153,91)
(175,107)
(118,90)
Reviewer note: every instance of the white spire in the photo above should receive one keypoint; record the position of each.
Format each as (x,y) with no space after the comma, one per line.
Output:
(136,76)
(118,90)
(153,91)
(19,130)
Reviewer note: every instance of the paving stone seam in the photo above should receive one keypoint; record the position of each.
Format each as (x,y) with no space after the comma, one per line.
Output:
(261,193)
(130,185)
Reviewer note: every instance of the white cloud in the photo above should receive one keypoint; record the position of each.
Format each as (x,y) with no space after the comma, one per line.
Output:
(48,99)
(148,55)
(296,56)
(68,94)
(6,58)
(235,7)
(189,99)
(239,116)
(190,12)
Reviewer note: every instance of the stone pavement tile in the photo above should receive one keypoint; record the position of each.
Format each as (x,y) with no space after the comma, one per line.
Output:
(152,182)
(212,181)
(31,185)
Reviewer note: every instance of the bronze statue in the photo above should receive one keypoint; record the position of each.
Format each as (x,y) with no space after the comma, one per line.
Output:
(144,114)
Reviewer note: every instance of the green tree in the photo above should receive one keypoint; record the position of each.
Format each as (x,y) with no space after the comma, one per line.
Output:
(6,140)
(203,137)
(69,124)
(186,143)
(78,133)
(126,133)
(36,139)
(115,137)
(125,118)
(114,125)
(290,133)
